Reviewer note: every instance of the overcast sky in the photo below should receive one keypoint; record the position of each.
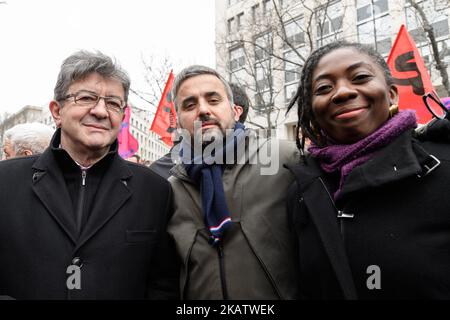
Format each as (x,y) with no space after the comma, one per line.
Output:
(36,35)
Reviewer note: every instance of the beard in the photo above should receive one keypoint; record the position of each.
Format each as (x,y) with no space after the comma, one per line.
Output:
(212,134)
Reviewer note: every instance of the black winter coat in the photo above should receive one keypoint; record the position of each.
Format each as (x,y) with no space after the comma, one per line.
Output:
(123,251)
(388,234)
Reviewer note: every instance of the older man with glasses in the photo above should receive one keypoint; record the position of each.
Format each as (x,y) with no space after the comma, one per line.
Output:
(79,221)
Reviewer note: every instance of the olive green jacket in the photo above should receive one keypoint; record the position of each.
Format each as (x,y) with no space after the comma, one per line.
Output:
(258,259)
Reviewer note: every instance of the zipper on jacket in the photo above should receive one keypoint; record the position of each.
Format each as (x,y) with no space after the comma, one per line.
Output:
(80,205)
(186,263)
(263,266)
(222,272)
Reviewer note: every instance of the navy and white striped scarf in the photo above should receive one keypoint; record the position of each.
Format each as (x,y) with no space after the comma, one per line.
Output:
(208,176)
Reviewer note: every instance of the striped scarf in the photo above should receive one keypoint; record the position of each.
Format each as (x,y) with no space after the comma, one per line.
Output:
(208,176)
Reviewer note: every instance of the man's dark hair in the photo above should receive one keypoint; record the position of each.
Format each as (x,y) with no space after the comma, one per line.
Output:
(193,71)
(240,99)
(307,123)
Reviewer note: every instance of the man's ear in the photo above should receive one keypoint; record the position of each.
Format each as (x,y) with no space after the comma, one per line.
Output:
(393,95)
(238,110)
(55,110)
(27,152)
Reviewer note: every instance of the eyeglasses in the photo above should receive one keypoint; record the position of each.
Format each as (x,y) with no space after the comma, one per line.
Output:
(435,106)
(90,99)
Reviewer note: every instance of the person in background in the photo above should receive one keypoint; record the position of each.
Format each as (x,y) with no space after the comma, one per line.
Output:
(134,158)
(78,221)
(26,139)
(369,206)
(241,101)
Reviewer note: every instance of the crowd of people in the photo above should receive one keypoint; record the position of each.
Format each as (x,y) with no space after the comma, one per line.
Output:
(355,208)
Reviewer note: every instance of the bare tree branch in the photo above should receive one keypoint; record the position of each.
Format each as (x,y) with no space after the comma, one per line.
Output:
(441,66)
(156,72)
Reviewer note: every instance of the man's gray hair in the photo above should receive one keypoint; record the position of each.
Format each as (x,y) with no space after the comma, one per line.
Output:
(197,70)
(29,136)
(81,64)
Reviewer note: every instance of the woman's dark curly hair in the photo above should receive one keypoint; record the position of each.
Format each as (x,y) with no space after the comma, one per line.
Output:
(307,126)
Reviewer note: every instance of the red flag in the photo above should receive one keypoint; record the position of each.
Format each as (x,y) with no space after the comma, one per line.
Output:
(410,75)
(128,145)
(165,120)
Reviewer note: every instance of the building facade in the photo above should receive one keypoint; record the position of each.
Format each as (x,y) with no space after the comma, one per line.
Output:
(262,44)
(151,146)
(25,115)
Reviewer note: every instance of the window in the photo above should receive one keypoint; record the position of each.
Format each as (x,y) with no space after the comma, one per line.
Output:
(289,91)
(230,26)
(329,20)
(267,6)
(237,58)
(263,45)
(294,32)
(366,9)
(374,24)
(439,21)
(441,28)
(233,2)
(286,3)
(239,20)
(444,50)
(255,12)
(262,77)
(262,101)
(238,76)
(293,69)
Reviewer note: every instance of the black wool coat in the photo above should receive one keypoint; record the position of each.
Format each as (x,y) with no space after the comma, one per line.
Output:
(388,234)
(123,252)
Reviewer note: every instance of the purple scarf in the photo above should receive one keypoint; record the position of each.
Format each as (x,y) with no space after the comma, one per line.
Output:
(345,157)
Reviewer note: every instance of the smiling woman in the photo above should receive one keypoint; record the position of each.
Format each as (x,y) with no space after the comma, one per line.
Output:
(350,96)
(361,201)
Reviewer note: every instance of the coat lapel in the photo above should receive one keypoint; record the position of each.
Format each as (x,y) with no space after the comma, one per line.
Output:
(320,209)
(50,187)
(112,194)
(324,216)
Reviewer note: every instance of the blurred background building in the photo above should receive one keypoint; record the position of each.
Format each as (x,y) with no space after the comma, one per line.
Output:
(262,44)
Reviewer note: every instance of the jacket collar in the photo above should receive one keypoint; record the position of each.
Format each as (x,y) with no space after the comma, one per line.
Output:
(400,159)
(50,187)
(55,150)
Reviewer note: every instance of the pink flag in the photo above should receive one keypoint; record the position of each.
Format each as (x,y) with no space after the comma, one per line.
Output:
(446,102)
(128,145)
